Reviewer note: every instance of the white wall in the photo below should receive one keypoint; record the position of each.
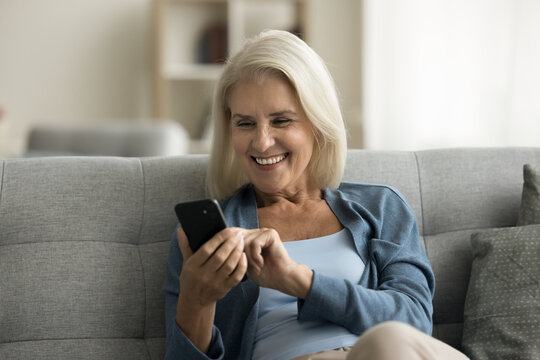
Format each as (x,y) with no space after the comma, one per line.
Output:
(451,73)
(335,33)
(417,73)
(69,61)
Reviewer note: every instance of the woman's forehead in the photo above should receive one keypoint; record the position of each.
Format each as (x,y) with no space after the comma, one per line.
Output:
(274,94)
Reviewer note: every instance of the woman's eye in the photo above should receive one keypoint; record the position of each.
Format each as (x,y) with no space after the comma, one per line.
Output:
(282,121)
(244,124)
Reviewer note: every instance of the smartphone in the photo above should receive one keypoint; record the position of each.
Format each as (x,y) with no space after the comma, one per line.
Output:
(201,220)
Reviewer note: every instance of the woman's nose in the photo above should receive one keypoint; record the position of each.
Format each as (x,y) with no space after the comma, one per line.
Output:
(263,139)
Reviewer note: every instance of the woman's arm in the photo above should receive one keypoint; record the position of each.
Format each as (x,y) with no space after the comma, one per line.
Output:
(194,284)
(397,283)
(402,294)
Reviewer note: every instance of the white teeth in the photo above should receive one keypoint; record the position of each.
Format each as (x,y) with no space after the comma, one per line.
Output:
(269,161)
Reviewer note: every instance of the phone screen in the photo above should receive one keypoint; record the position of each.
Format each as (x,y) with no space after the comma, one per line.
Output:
(201,220)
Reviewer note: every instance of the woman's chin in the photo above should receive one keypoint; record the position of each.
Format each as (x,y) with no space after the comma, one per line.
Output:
(267,188)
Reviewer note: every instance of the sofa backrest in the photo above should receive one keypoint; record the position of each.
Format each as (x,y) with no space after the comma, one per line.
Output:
(83,245)
(84,240)
(454,192)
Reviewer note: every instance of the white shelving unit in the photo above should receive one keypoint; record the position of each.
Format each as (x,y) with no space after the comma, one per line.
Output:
(201,72)
(183,77)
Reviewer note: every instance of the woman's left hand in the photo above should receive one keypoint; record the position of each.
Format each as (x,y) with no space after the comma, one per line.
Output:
(269,264)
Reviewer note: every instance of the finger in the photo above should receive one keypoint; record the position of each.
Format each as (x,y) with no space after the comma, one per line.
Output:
(252,269)
(255,259)
(203,254)
(254,242)
(229,267)
(183,243)
(240,270)
(218,239)
(225,254)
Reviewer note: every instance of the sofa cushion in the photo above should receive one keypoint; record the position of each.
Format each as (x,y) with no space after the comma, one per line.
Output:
(529,213)
(450,257)
(80,349)
(502,306)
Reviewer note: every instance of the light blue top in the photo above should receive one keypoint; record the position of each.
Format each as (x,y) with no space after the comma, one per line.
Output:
(397,282)
(279,333)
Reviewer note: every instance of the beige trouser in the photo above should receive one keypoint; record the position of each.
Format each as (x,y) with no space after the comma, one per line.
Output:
(391,341)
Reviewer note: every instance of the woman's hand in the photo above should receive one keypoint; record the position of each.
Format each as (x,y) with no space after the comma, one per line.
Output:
(207,276)
(211,272)
(269,264)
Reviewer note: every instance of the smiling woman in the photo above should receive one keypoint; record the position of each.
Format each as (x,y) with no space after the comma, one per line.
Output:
(271,135)
(335,269)
(310,96)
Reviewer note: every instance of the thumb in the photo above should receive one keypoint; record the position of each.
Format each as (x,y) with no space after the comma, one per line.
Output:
(183,243)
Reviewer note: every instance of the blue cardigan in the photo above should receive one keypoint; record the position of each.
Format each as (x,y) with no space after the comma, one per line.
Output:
(397,283)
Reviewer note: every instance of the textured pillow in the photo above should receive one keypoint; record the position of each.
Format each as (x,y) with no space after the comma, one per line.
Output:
(529,213)
(502,307)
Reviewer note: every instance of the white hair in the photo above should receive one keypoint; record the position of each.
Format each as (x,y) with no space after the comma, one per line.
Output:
(282,54)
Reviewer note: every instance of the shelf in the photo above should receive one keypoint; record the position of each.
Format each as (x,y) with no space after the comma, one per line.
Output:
(193,37)
(210,72)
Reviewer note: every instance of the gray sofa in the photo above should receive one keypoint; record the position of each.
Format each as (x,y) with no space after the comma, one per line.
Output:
(84,240)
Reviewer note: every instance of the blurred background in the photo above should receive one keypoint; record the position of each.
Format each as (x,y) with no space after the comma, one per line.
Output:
(412,74)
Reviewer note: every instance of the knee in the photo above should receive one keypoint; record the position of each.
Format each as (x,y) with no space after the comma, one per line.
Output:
(390,332)
(388,340)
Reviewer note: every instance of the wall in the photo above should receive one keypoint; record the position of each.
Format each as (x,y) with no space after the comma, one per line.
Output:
(73,61)
(65,61)
(335,33)
(451,73)
(412,74)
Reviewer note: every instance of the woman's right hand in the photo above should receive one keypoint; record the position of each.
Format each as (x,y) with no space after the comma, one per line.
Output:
(211,272)
(207,276)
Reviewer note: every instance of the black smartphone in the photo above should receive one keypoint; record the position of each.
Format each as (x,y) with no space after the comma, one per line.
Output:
(201,220)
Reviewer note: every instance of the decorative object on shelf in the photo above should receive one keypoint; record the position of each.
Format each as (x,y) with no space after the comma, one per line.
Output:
(213,44)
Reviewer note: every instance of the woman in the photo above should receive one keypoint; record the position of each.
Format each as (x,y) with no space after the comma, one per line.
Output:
(326,260)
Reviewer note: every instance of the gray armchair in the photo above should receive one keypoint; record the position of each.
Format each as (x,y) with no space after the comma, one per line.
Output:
(125,139)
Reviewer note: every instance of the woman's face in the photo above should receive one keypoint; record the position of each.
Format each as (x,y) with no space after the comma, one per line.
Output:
(271,135)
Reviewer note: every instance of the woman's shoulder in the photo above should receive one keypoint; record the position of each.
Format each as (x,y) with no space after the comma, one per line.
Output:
(372,197)
(363,191)
(240,209)
(242,196)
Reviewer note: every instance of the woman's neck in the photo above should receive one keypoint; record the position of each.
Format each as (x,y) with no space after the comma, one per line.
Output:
(295,196)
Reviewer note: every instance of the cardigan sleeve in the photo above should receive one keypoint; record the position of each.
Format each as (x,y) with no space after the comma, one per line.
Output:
(177,344)
(397,283)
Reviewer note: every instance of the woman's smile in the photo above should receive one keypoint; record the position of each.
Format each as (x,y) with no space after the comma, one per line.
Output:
(270,160)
